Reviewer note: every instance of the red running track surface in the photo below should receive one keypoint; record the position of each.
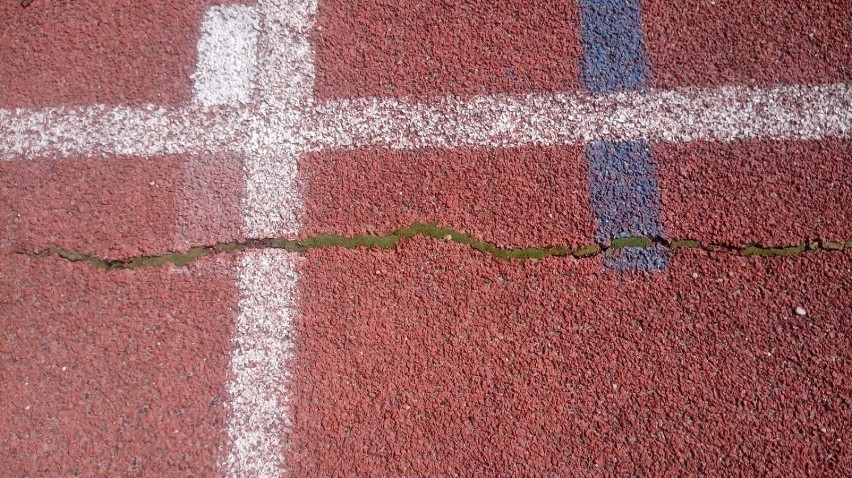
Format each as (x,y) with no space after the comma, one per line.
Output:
(430,358)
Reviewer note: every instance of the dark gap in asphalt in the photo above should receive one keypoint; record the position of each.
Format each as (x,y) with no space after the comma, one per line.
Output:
(431,230)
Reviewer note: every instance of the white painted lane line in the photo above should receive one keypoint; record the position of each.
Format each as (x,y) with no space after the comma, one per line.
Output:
(227,65)
(723,114)
(112,131)
(262,346)
(286,55)
(259,423)
(280,125)
(283,98)
(272,202)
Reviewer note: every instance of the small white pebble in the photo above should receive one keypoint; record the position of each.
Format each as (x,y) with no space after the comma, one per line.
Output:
(64,368)
(27,408)
(695,275)
(801,312)
(448,237)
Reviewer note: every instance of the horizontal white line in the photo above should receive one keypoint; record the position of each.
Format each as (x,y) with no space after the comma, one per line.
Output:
(106,131)
(724,114)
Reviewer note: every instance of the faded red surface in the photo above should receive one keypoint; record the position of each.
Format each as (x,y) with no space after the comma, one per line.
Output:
(400,48)
(113,374)
(765,192)
(88,51)
(435,360)
(529,196)
(120,206)
(760,42)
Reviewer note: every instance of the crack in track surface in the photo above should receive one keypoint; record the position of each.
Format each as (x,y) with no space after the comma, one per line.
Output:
(390,240)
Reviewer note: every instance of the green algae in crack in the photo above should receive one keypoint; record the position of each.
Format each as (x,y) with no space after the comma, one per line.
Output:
(228,247)
(775,251)
(447,234)
(432,230)
(834,246)
(331,240)
(587,251)
(685,244)
(76,257)
(176,258)
(630,241)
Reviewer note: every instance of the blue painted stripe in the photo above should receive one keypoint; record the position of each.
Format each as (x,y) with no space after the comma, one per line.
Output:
(625,199)
(622,178)
(613,55)
(623,189)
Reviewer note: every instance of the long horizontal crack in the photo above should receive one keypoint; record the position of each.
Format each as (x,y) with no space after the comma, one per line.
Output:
(390,240)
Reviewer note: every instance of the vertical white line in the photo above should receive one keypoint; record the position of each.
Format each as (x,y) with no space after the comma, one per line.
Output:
(261,349)
(226,65)
(284,96)
(286,54)
(262,344)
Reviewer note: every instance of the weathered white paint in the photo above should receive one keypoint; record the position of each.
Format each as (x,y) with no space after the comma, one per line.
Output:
(261,348)
(227,56)
(689,114)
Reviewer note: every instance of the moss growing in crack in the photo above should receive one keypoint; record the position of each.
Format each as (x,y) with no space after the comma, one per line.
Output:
(587,251)
(444,233)
(78,257)
(330,240)
(686,244)
(631,241)
(228,247)
(391,240)
(832,246)
(277,243)
(774,251)
(176,258)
